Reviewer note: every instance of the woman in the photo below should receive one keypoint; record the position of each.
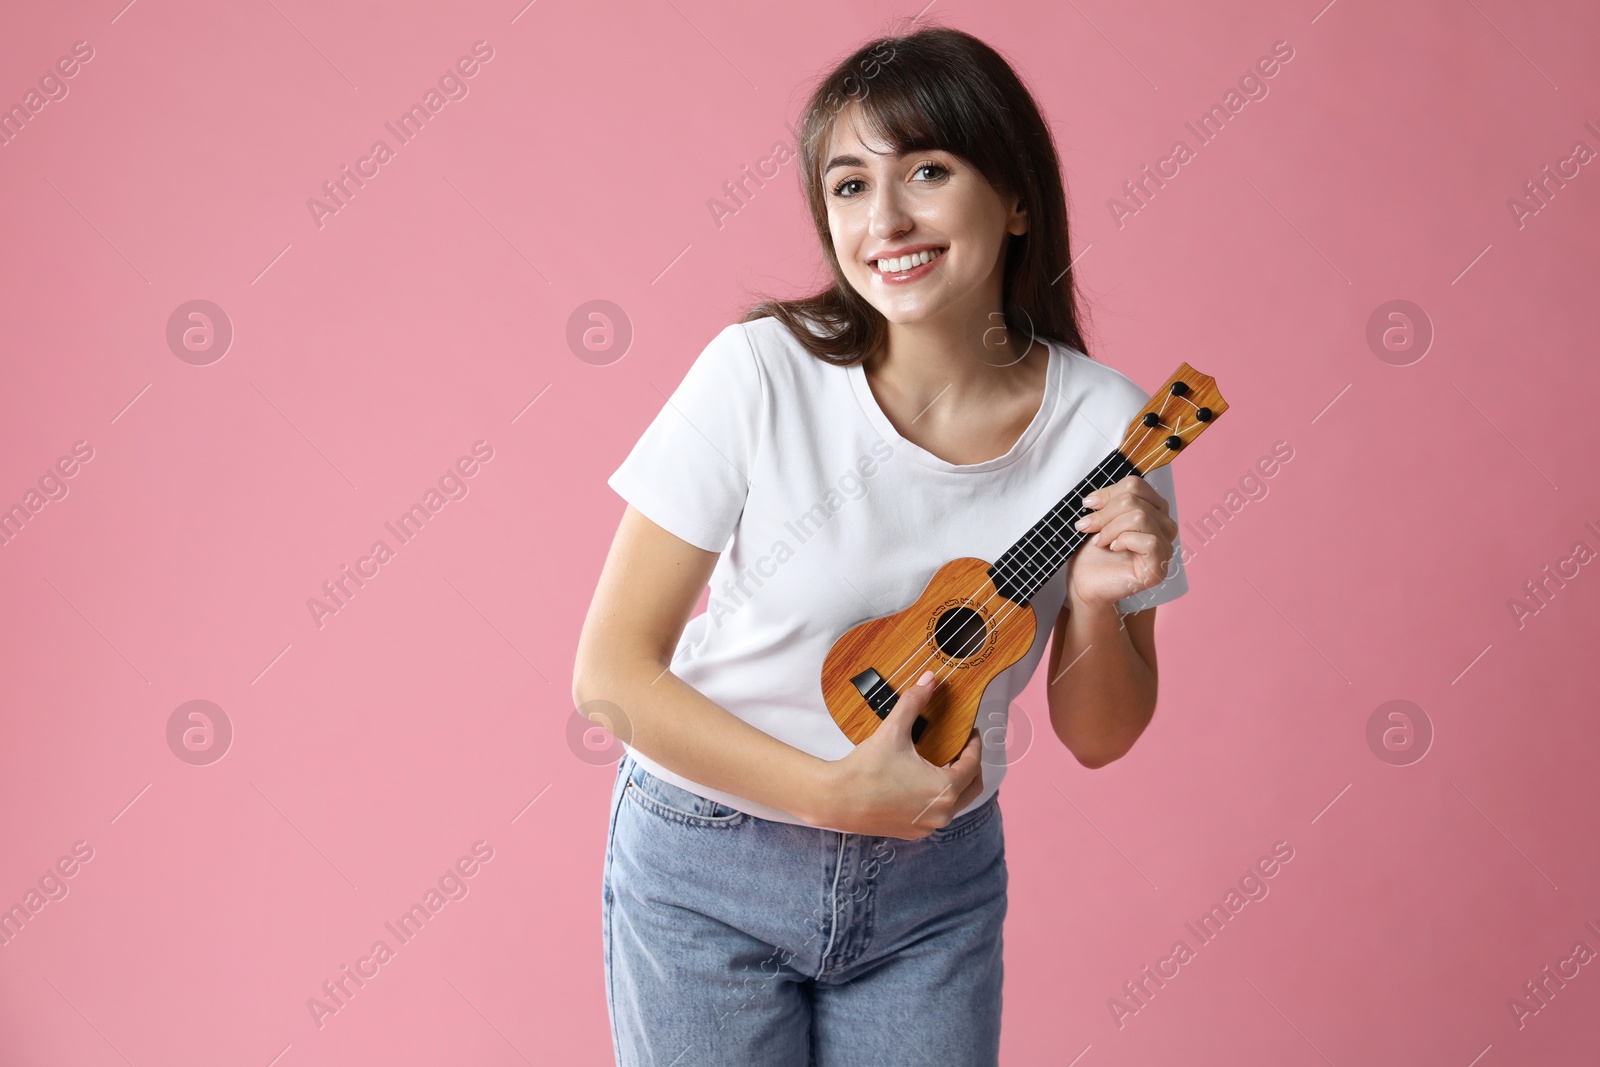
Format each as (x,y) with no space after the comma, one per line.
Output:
(773,894)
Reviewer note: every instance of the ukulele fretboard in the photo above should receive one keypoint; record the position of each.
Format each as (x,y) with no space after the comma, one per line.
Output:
(1043,550)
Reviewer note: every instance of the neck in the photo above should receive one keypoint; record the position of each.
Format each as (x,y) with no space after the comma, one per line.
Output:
(921,361)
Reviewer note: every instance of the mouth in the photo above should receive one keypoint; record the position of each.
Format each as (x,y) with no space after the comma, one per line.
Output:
(907,267)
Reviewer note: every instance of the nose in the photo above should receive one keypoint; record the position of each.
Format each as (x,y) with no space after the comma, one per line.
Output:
(889,216)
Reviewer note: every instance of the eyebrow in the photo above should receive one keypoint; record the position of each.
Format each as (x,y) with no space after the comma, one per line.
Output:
(855,161)
(843,161)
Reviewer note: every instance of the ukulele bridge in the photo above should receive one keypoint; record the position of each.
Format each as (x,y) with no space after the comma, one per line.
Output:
(881,698)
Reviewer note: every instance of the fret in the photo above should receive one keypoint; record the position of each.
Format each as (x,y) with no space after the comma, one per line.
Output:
(974,619)
(1024,568)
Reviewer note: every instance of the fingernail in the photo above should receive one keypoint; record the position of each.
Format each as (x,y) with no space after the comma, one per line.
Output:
(926,679)
(1092,499)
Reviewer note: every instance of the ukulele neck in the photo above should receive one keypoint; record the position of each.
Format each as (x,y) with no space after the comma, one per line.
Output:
(1038,554)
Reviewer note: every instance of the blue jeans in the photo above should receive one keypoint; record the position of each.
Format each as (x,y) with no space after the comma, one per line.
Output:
(736,941)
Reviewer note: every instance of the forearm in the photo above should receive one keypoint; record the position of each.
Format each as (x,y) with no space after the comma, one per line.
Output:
(676,725)
(1102,693)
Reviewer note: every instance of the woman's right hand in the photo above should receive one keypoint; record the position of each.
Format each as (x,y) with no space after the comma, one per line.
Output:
(885,788)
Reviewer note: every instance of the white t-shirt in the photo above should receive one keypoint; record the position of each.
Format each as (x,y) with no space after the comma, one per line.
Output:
(826,517)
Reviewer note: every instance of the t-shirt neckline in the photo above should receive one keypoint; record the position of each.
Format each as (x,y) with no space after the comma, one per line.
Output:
(880,422)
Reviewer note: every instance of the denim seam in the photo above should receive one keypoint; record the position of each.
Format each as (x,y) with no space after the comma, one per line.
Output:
(981,817)
(610,895)
(671,814)
(833,903)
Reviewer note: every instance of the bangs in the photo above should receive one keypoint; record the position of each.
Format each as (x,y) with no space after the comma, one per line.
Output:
(909,107)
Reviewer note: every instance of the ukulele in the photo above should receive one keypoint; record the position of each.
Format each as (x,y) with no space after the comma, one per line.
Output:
(974,619)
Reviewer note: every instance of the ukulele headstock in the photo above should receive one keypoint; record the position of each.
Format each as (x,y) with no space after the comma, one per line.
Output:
(1178,412)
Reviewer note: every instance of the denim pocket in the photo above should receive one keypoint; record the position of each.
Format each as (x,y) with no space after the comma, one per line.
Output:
(661,798)
(976,819)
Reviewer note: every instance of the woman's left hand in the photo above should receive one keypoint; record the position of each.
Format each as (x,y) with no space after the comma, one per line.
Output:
(1131,547)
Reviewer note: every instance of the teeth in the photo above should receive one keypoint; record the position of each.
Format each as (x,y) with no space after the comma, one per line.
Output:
(905,263)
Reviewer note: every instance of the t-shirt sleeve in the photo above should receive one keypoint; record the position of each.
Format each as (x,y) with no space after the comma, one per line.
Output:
(1176,583)
(689,473)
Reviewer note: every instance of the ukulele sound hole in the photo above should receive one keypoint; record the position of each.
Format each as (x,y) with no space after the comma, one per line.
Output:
(959,633)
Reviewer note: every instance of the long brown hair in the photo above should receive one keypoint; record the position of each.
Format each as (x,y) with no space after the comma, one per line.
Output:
(939,88)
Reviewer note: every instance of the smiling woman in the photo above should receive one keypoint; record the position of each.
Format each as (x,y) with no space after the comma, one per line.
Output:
(747,830)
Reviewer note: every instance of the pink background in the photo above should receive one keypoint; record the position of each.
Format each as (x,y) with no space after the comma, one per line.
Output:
(432,311)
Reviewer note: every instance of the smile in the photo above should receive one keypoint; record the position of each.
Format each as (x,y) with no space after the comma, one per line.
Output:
(906,268)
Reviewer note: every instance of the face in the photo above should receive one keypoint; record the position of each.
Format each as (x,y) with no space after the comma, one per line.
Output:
(923,203)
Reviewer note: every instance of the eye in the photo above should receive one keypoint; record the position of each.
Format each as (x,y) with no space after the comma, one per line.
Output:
(939,169)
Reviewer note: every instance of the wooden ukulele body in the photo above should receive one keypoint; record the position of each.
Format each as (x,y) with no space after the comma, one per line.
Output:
(961,628)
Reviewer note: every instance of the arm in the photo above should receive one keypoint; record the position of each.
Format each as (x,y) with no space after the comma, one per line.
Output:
(1102,683)
(647,591)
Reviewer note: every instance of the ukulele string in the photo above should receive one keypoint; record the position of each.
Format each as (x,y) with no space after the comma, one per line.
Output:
(1058,556)
(1065,551)
(968,646)
(888,680)
(965,650)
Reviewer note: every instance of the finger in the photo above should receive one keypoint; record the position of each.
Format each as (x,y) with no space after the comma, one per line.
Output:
(1145,497)
(1144,551)
(1123,487)
(908,705)
(1134,519)
(969,762)
(972,790)
(1130,490)
(947,790)
(1108,505)
(1136,542)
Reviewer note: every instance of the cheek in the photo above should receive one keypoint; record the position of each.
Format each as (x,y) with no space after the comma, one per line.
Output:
(970,219)
(836,230)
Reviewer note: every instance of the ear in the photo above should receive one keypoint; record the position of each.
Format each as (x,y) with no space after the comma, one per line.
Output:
(1018,222)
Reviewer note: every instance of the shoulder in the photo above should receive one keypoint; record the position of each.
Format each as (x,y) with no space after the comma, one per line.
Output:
(751,364)
(780,357)
(1098,387)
